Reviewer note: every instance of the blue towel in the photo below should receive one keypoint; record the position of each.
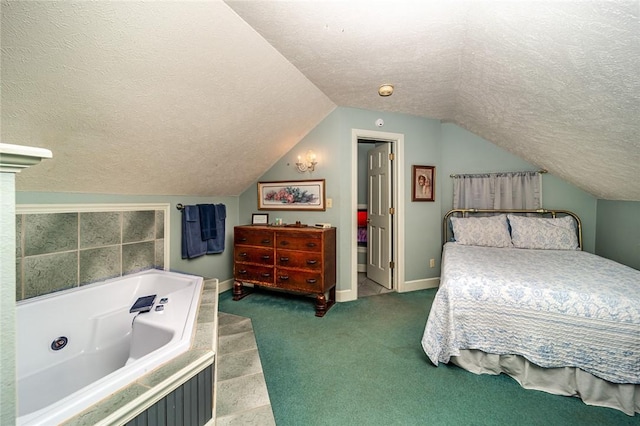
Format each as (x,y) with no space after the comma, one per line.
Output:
(207,221)
(192,243)
(216,245)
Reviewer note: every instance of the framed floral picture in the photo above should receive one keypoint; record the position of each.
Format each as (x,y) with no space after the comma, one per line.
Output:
(423,183)
(292,195)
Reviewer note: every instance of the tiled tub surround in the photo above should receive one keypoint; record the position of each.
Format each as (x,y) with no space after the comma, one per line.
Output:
(65,249)
(159,392)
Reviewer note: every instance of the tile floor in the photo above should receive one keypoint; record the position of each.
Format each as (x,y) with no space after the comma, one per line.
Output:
(242,396)
(366,287)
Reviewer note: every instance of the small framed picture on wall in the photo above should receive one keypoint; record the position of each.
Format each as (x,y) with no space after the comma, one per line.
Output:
(423,183)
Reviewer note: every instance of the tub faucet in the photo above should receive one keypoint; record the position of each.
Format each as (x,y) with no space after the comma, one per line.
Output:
(143,304)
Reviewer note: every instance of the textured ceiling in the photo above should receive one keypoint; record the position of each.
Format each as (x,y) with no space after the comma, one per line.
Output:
(148,97)
(157,97)
(554,82)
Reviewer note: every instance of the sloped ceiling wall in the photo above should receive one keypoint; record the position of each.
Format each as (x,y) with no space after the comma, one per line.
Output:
(554,82)
(174,98)
(558,84)
(200,98)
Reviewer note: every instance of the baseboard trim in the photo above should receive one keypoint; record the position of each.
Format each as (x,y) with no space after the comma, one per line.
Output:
(350,295)
(422,284)
(346,295)
(225,285)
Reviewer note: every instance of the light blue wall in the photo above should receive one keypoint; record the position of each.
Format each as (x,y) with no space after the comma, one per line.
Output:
(464,152)
(214,266)
(559,194)
(448,147)
(618,231)
(332,141)
(322,140)
(421,146)
(426,142)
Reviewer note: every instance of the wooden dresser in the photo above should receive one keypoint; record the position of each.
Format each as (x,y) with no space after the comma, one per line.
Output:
(295,259)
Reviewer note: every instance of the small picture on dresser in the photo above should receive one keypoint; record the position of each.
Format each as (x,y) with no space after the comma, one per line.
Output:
(291,195)
(260,219)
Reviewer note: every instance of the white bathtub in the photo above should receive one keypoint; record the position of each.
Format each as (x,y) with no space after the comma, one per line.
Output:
(106,348)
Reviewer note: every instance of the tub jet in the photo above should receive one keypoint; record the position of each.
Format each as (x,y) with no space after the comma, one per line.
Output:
(59,343)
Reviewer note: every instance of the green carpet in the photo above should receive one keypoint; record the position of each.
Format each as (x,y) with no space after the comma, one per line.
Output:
(362,364)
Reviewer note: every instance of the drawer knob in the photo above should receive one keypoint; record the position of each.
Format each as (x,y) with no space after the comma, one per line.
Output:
(266,241)
(284,277)
(243,239)
(266,274)
(243,254)
(284,259)
(311,244)
(265,257)
(312,280)
(284,243)
(242,271)
(311,262)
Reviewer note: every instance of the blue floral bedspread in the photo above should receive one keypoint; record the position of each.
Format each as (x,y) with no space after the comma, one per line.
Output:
(556,308)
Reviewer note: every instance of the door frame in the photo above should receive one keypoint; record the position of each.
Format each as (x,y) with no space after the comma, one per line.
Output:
(398,202)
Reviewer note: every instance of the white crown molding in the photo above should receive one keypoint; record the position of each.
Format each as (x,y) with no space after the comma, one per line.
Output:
(15,158)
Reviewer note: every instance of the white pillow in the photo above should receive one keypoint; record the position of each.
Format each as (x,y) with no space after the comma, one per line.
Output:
(543,233)
(491,231)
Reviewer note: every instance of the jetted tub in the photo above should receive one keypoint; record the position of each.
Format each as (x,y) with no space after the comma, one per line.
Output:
(77,346)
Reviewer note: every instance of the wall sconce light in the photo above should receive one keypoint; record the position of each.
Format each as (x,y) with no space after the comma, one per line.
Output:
(309,163)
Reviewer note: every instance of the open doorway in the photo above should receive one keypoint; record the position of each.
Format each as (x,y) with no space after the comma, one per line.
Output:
(384,240)
(375,217)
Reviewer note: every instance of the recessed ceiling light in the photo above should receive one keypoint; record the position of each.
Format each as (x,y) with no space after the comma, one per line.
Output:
(385,90)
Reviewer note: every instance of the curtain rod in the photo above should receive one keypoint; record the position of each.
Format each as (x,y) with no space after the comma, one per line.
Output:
(542,171)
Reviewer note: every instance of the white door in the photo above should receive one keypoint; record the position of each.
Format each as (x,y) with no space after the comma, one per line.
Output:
(379,227)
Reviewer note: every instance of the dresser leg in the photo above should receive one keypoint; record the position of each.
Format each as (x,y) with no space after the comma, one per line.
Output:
(322,304)
(239,292)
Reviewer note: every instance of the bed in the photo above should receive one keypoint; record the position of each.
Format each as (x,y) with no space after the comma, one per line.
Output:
(519,296)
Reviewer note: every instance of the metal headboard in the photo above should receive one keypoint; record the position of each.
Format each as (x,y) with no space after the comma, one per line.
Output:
(542,212)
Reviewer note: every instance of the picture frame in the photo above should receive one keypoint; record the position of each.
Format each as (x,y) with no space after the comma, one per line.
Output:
(423,180)
(292,195)
(260,219)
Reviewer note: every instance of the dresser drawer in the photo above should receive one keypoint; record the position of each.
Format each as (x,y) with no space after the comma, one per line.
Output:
(298,259)
(299,280)
(259,255)
(299,241)
(251,237)
(253,273)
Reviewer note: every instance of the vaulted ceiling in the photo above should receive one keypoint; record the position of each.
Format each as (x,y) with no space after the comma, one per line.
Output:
(174,97)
